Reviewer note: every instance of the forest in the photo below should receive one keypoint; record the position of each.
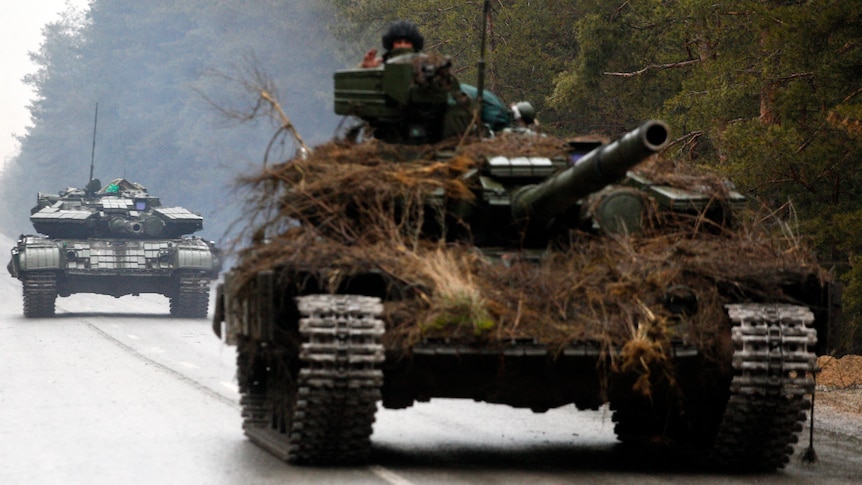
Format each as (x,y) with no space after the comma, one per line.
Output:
(767,93)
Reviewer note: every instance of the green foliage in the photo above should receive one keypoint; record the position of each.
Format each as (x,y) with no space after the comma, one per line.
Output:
(620,75)
(851,302)
(465,316)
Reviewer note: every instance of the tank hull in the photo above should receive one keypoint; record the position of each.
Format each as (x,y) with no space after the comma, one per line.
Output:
(179,269)
(693,397)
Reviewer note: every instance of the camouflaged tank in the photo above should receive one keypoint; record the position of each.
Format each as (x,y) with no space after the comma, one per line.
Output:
(515,269)
(117,240)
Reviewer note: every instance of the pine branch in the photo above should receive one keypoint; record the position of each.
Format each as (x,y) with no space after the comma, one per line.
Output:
(653,67)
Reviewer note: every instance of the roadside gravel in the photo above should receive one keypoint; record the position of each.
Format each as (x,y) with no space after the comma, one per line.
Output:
(838,398)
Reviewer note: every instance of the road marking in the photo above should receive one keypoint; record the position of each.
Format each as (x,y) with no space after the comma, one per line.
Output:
(190,366)
(133,337)
(197,385)
(230,385)
(389,476)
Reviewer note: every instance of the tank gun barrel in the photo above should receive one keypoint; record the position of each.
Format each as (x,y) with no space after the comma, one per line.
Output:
(601,167)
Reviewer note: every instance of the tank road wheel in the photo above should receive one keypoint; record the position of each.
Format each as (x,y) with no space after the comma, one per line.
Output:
(40,294)
(252,378)
(267,383)
(666,419)
(192,298)
(768,394)
(636,422)
(321,411)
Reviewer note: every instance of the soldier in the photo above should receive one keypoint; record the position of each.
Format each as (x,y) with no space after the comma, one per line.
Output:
(402,37)
(524,115)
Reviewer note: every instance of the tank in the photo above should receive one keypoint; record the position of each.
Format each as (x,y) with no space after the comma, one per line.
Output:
(516,269)
(115,240)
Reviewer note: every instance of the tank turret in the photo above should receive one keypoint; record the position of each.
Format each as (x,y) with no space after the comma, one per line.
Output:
(120,209)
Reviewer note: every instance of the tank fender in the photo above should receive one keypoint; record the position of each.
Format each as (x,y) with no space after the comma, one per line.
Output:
(41,257)
(194,255)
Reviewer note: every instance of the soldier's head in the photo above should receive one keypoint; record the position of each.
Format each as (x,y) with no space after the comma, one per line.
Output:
(403,34)
(523,113)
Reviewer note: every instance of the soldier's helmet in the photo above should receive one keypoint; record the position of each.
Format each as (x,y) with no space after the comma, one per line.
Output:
(524,111)
(403,29)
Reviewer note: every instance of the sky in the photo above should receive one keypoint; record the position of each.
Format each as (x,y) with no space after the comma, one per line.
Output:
(20,33)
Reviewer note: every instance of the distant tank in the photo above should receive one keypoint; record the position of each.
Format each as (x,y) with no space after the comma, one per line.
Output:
(114,240)
(515,269)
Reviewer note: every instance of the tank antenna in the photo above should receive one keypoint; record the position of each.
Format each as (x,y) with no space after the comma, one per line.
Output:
(93,151)
(477,115)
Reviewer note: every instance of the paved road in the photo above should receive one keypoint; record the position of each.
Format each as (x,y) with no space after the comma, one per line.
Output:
(114,391)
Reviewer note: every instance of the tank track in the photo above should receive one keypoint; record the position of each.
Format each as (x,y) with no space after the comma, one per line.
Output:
(772,365)
(325,417)
(40,294)
(192,299)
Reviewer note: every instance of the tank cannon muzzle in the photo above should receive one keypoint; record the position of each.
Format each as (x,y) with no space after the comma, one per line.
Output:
(146,226)
(122,226)
(540,203)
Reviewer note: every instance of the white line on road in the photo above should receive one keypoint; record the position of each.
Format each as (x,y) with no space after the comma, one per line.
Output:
(199,386)
(230,385)
(187,364)
(389,476)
